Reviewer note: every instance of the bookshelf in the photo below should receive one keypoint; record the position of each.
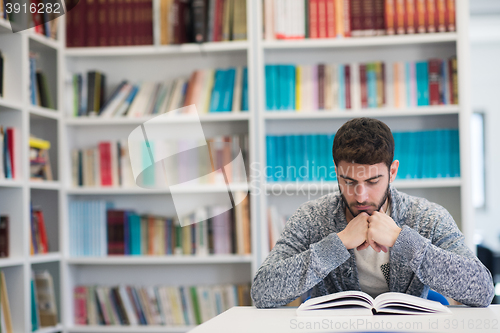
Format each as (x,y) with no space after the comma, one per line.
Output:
(165,62)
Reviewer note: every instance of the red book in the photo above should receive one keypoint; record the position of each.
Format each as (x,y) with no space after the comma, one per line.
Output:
(80,297)
(127,23)
(4,236)
(356,16)
(411,17)
(313,19)
(379,16)
(149,23)
(421,14)
(347,80)
(434,79)
(368,17)
(105,159)
(330,19)
(347,18)
(431,15)
(92,22)
(44,243)
(390,17)
(450,15)
(322,19)
(12,151)
(116,220)
(400,17)
(102,22)
(321,86)
(111,11)
(441,15)
(219,10)
(362,80)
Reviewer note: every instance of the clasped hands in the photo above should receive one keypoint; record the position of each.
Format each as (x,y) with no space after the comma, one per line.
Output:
(378,231)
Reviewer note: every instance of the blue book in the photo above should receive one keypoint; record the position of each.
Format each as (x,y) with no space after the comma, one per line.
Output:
(283,87)
(371,77)
(269,87)
(444,82)
(244,93)
(298,152)
(227,101)
(291,87)
(274,86)
(332,176)
(341,78)
(422,77)
(303,158)
(455,153)
(281,162)
(216,91)
(314,148)
(445,154)
(33,80)
(290,151)
(148,175)
(323,157)
(270,157)
(308,156)
(7,167)
(412,158)
(398,152)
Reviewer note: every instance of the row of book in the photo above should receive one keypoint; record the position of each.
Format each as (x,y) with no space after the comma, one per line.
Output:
(307,88)
(40,93)
(308,157)
(354,18)
(156,305)
(43,300)
(109,163)
(8,152)
(211,90)
(45,22)
(109,23)
(39,241)
(98,230)
(5,314)
(202,21)
(4,236)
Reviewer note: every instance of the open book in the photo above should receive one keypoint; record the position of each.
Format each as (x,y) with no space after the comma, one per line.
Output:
(360,303)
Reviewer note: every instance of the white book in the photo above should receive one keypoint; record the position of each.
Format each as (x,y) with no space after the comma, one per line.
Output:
(328,84)
(206,92)
(127,304)
(177,298)
(401,85)
(140,102)
(230,296)
(166,306)
(126,168)
(355,302)
(175,101)
(189,305)
(389,85)
(115,104)
(335,87)
(165,98)
(355,87)
(238,82)
(305,89)
(269,19)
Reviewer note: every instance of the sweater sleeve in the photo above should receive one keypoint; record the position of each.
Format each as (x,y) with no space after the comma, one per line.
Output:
(295,265)
(445,263)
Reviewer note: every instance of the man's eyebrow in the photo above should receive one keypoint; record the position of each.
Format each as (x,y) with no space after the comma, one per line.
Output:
(366,180)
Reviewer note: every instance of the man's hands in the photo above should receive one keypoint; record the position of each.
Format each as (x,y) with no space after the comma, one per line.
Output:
(378,231)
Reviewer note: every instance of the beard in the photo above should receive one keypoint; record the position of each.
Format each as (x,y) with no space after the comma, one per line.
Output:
(386,195)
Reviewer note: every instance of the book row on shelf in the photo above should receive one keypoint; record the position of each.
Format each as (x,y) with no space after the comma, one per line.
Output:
(39,242)
(45,22)
(422,154)
(43,301)
(131,22)
(40,93)
(354,18)
(156,305)
(211,90)
(5,316)
(307,88)
(109,23)
(109,164)
(98,230)
(8,151)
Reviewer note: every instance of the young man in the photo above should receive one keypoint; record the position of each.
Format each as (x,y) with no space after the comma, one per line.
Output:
(369,236)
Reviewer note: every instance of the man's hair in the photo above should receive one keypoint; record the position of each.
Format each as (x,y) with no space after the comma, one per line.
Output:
(363,141)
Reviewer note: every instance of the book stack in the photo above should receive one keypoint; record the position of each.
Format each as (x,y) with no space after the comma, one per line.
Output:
(307,157)
(6,319)
(211,90)
(155,305)
(39,242)
(43,306)
(45,22)
(8,152)
(39,159)
(109,23)
(97,230)
(108,164)
(356,18)
(39,87)
(202,21)
(4,236)
(359,86)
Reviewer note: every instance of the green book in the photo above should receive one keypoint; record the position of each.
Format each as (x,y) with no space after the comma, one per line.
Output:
(196,305)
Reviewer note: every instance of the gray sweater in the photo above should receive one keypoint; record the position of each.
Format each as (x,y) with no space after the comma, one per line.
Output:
(429,253)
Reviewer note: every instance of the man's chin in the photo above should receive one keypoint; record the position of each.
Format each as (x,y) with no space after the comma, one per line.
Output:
(367,211)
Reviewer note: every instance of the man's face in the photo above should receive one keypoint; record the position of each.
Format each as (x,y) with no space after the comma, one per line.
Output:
(364,187)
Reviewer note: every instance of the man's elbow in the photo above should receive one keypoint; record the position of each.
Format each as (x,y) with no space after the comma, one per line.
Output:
(258,297)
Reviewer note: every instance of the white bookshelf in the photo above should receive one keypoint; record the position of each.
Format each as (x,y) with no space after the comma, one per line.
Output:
(160,63)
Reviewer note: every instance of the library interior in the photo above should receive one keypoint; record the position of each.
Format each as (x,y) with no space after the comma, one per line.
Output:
(106,106)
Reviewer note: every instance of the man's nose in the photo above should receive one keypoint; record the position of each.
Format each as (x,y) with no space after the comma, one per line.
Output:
(361,193)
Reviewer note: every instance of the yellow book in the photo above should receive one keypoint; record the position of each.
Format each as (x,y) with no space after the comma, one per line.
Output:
(39,143)
(4,301)
(298,88)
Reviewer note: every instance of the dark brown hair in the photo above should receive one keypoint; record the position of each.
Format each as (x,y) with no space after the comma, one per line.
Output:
(363,141)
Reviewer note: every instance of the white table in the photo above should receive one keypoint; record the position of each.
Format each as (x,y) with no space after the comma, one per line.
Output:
(252,320)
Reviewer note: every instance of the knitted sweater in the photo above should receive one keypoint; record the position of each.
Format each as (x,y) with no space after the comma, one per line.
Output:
(429,253)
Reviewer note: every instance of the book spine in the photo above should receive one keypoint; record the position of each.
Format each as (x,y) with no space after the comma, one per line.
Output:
(411,16)
(421,16)
(363,84)
(431,15)
(450,10)
(356,16)
(379,17)
(313,19)
(390,17)
(346,9)
(434,80)
(330,18)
